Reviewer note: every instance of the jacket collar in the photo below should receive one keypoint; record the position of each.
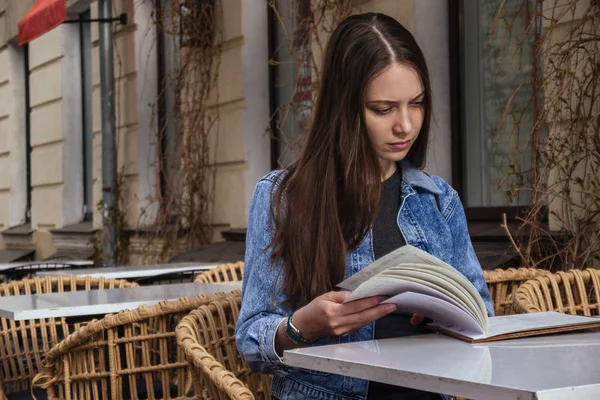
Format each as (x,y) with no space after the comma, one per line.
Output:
(417,178)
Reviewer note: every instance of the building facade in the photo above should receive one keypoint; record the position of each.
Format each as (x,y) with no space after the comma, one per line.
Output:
(50,114)
(50,119)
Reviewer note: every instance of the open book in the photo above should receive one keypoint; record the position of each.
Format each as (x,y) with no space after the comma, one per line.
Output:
(419,283)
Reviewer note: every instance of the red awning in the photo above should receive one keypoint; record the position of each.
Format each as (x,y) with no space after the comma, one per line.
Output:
(44,16)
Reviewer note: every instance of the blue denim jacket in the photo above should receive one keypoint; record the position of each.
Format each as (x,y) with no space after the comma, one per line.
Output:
(431,217)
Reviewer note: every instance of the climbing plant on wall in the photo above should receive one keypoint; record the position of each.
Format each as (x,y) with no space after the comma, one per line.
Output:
(561,228)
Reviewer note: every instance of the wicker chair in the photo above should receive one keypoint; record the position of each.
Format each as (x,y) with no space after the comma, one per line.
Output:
(503,284)
(223,273)
(218,372)
(129,355)
(24,343)
(572,292)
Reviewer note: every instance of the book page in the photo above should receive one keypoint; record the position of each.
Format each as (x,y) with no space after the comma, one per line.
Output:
(456,297)
(534,321)
(508,324)
(391,287)
(438,281)
(440,311)
(453,277)
(581,338)
(404,254)
(447,281)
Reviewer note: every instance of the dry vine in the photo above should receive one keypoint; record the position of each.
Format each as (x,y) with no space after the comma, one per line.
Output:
(183,206)
(303,29)
(561,229)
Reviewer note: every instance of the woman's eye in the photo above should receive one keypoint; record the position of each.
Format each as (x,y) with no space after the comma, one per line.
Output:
(418,103)
(382,111)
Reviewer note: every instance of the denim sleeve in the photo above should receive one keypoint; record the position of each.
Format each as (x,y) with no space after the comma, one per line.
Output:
(259,315)
(464,255)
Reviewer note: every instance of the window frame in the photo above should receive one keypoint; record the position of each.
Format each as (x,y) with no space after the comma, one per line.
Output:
(275,98)
(456,55)
(27,130)
(87,142)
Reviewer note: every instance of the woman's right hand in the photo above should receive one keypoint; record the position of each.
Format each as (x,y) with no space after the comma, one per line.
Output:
(328,315)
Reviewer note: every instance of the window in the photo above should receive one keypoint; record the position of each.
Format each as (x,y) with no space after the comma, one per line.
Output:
(27,130)
(85,40)
(291,79)
(497,68)
(169,47)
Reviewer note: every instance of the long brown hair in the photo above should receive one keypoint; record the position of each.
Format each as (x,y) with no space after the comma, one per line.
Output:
(327,201)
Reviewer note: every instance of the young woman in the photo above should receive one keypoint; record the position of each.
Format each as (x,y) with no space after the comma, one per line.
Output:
(355,194)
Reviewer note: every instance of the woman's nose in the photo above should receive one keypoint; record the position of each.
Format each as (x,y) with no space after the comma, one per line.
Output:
(402,122)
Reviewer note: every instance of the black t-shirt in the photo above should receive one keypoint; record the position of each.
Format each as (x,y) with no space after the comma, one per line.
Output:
(387,238)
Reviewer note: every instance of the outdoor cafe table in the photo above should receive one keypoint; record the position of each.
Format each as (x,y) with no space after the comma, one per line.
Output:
(100,302)
(549,367)
(132,272)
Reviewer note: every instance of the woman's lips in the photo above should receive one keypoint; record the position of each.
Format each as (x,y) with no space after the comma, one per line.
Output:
(398,146)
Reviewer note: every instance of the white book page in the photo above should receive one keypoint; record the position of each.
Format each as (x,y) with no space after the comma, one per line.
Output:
(454,285)
(582,338)
(390,287)
(506,324)
(440,311)
(440,293)
(455,278)
(526,322)
(404,254)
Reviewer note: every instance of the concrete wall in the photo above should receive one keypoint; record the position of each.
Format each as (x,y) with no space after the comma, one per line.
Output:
(56,129)
(14,11)
(431,33)
(13,186)
(240,146)
(401,10)
(255,81)
(227,136)
(145,59)
(13,195)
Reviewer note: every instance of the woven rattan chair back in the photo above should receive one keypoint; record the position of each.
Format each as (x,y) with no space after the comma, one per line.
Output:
(23,344)
(223,273)
(129,355)
(503,284)
(207,337)
(571,292)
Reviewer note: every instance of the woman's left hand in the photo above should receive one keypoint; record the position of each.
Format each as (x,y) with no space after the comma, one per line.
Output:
(416,319)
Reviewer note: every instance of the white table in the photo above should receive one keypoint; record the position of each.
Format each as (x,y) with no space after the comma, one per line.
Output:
(132,271)
(100,302)
(9,266)
(544,368)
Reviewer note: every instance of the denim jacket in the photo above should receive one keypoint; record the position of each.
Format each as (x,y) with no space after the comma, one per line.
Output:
(431,217)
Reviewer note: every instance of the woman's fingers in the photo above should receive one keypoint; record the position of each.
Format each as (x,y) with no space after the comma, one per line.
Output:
(416,319)
(329,315)
(357,306)
(336,297)
(351,322)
